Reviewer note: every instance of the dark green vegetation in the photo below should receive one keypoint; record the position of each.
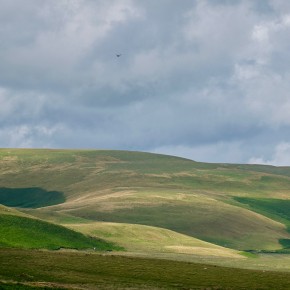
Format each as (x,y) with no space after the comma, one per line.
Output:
(278,209)
(117,272)
(22,232)
(29,197)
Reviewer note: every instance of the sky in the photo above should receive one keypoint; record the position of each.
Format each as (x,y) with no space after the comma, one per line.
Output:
(207,80)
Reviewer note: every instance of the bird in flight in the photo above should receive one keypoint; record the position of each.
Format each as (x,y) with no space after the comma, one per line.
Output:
(118,55)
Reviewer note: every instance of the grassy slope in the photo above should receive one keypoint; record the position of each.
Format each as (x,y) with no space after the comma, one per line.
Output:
(12,211)
(277,209)
(174,193)
(199,217)
(117,272)
(20,231)
(146,239)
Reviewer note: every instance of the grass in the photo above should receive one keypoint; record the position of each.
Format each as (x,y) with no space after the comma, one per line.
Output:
(117,272)
(188,197)
(19,286)
(53,216)
(146,239)
(96,168)
(277,209)
(249,254)
(23,232)
(243,207)
(206,219)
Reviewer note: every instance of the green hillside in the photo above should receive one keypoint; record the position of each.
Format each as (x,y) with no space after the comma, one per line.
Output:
(277,209)
(23,232)
(193,198)
(146,239)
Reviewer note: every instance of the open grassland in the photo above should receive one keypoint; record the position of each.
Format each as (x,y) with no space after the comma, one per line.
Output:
(19,231)
(195,215)
(179,221)
(94,271)
(187,197)
(70,170)
(146,239)
(277,209)
(12,211)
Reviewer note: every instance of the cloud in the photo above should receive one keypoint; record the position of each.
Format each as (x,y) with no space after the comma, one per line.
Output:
(214,152)
(26,136)
(202,79)
(57,40)
(280,156)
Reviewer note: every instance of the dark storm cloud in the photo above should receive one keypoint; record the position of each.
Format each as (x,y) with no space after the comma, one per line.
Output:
(202,79)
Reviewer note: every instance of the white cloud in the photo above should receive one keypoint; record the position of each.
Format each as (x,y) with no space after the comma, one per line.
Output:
(260,33)
(246,72)
(70,32)
(201,79)
(28,136)
(220,152)
(280,157)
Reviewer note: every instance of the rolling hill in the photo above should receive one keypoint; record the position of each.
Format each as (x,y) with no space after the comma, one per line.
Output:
(200,200)
(22,231)
(147,239)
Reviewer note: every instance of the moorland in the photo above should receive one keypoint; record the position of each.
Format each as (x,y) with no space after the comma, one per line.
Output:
(105,219)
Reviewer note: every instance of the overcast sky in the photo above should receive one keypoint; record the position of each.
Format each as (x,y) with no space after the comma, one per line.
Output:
(204,79)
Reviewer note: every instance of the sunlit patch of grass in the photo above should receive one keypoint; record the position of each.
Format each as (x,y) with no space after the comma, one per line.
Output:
(22,232)
(249,254)
(146,239)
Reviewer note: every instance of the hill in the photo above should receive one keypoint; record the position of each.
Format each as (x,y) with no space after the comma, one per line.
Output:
(21,231)
(147,239)
(197,199)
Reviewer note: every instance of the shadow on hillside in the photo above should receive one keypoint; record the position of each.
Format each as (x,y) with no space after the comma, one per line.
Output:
(33,197)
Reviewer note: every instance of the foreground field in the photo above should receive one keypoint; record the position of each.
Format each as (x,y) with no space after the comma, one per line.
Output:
(95,271)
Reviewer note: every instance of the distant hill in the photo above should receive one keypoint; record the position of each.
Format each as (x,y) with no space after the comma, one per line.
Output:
(201,200)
